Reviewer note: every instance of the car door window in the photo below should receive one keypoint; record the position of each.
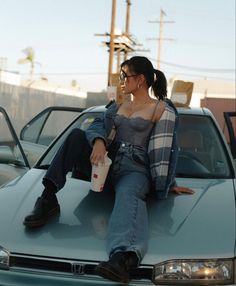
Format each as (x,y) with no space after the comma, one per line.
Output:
(13,162)
(10,152)
(46,126)
(230,131)
(55,124)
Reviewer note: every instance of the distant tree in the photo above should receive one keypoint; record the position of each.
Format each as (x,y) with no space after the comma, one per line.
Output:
(29,59)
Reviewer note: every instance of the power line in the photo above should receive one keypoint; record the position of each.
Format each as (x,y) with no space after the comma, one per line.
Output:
(215,70)
(167,72)
(105,74)
(199,76)
(67,73)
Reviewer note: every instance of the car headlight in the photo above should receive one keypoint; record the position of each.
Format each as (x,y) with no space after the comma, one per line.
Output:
(199,272)
(4,258)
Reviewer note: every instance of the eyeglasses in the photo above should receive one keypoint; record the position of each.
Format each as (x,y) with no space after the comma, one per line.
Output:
(123,76)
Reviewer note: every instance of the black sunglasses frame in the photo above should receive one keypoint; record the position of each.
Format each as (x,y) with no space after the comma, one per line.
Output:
(123,76)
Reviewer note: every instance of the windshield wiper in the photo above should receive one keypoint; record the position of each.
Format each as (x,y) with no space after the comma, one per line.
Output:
(43,167)
(202,176)
(199,176)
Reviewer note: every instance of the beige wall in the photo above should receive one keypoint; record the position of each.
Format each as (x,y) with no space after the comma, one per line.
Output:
(23,103)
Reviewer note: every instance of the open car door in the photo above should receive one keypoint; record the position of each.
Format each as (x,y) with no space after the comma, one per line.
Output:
(230,120)
(42,129)
(13,161)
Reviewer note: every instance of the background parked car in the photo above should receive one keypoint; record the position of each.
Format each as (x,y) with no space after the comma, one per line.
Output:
(191,239)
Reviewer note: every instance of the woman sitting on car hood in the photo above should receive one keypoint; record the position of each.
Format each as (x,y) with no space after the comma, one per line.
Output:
(140,137)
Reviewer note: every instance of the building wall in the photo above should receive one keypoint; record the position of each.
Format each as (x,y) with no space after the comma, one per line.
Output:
(96,98)
(9,77)
(22,103)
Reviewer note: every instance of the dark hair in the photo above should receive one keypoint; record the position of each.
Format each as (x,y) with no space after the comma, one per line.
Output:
(154,78)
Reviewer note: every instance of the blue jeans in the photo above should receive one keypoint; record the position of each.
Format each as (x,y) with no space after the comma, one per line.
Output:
(128,224)
(73,155)
(129,177)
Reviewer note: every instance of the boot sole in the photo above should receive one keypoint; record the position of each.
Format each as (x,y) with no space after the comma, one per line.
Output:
(111,275)
(43,221)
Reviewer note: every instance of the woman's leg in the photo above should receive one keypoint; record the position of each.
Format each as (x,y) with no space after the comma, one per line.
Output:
(128,225)
(75,149)
(128,228)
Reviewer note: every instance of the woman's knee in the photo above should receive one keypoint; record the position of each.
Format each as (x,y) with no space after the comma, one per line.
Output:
(77,132)
(77,135)
(77,141)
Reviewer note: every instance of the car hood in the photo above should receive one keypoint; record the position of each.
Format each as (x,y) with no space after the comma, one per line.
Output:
(201,225)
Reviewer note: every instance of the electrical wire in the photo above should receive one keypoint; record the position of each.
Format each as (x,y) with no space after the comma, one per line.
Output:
(211,70)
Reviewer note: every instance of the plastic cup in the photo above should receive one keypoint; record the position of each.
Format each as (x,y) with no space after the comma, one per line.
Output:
(99,174)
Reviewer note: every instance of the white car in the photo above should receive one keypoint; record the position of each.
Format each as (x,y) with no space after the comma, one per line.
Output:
(191,239)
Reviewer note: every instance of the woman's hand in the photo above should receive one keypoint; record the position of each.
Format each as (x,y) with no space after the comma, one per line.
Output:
(181,190)
(98,152)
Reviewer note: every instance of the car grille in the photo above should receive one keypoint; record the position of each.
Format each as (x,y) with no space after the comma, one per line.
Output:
(76,267)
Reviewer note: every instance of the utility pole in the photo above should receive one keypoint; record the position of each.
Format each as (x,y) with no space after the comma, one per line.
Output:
(112,44)
(160,39)
(160,42)
(125,34)
(120,44)
(128,4)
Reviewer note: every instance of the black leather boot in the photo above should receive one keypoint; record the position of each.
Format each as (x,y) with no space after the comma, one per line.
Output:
(44,209)
(118,266)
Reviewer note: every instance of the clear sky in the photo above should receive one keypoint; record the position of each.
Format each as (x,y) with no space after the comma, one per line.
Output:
(62,34)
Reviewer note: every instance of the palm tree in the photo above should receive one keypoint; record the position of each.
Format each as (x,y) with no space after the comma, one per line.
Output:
(30,58)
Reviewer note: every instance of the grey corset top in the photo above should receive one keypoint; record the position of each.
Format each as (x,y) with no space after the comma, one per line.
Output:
(134,130)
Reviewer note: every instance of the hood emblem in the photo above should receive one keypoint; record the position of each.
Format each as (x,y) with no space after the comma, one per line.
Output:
(78,268)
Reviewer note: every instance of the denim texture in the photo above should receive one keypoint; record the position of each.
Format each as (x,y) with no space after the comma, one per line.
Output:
(71,154)
(129,177)
(128,225)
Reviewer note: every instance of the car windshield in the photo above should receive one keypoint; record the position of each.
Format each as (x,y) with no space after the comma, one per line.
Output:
(201,152)
(82,122)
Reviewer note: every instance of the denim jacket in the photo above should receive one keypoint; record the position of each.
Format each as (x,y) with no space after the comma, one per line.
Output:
(162,147)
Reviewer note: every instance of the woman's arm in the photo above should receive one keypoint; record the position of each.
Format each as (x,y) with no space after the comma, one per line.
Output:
(97,133)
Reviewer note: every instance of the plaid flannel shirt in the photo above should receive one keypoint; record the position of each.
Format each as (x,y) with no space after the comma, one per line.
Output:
(162,151)
(162,147)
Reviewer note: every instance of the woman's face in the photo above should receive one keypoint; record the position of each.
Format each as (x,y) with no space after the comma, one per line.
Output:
(128,80)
